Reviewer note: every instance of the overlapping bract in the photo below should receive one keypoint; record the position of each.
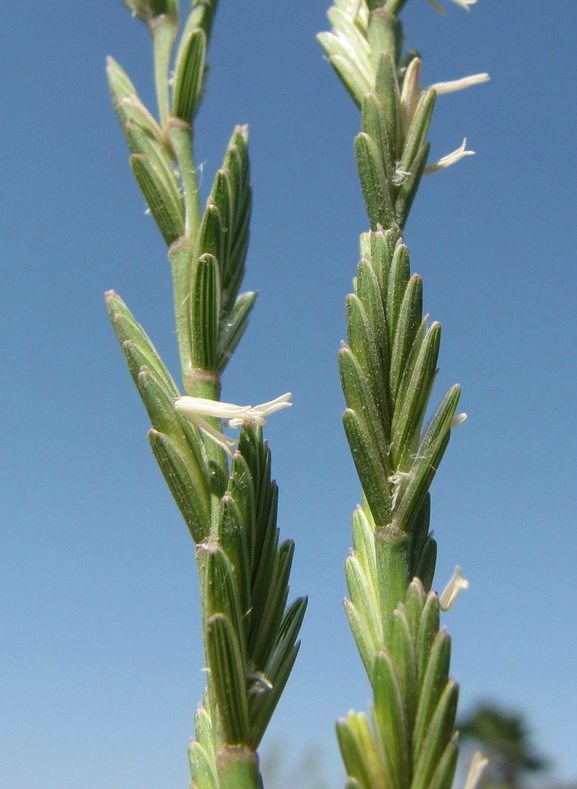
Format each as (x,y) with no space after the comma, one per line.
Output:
(387,371)
(201,751)
(391,149)
(251,633)
(177,445)
(211,316)
(364,48)
(410,740)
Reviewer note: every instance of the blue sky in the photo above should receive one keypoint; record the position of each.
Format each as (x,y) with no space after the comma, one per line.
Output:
(100,665)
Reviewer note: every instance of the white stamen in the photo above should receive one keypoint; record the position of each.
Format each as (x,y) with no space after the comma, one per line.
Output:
(451,158)
(453,589)
(399,480)
(478,764)
(227,443)
(261,683)
(201,405)
(459,84)
(463,3)
(257,414)
(195,408)
(438,7)
(457,420)
(400,176)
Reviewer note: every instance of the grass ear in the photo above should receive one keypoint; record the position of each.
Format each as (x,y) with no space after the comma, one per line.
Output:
(221,485)
(388,369)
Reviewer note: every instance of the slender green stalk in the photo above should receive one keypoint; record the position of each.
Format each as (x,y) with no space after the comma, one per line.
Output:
(237,768)
(387,373)
(222,486)
(180,136)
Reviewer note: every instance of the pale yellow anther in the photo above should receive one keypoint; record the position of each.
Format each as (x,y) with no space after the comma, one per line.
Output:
(463,3)
(195,408)
(457,420)
(478,764)
(449,159)
(459,84)
(453,589)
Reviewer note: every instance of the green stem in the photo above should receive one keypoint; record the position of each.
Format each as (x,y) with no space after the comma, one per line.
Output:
(237,767)
(180,136)
(395,6)
(392,552)
(206,384)
(163,30)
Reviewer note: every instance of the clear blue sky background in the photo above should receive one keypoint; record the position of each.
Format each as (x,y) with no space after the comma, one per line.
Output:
(100,658)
